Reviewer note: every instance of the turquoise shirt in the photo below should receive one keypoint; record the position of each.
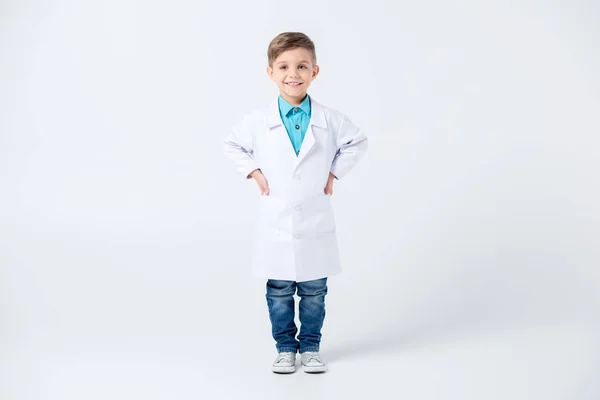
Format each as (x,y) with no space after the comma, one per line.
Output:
(295,120)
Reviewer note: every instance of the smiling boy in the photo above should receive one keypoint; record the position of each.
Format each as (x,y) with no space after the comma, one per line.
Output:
(295,149)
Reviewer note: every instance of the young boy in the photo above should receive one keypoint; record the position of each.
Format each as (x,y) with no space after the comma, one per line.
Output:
(294,150)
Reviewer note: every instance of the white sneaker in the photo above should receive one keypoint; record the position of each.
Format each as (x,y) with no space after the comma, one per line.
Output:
(285,363)
(312,363)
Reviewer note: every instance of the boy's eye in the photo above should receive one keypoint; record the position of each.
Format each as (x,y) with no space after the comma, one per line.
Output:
(299,67)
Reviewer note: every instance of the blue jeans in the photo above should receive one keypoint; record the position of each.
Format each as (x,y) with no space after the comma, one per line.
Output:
(280,300)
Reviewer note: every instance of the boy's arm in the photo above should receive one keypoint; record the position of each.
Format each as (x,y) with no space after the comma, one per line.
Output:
(352,144)
(238,146)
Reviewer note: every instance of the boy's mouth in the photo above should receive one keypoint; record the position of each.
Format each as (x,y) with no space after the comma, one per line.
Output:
(293,84)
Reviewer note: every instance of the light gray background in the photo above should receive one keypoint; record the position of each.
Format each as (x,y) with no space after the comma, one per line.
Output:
(469,232)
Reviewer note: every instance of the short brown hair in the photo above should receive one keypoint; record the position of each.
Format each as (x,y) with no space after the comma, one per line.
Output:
(289,41)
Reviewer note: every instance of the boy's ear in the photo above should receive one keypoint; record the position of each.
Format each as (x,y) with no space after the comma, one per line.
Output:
(316,70)
(270,72)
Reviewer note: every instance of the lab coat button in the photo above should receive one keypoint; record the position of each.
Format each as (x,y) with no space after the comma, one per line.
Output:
(298,177)
(298,208)
(297,236)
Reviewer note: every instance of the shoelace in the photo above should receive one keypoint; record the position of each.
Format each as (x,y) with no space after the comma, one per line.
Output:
(284,356)
(313,356)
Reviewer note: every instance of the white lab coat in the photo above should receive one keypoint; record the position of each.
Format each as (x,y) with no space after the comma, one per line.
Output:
(296,234)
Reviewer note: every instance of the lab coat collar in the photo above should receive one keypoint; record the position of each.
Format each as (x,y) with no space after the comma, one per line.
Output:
(286,107)
(317,117)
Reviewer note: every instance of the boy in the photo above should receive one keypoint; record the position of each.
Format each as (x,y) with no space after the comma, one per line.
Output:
(294,150)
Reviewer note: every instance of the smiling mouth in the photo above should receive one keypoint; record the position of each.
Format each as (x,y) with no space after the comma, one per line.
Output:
(293,84)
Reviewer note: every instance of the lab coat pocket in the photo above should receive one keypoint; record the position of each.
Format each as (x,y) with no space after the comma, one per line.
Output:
(321,215)
(269,219)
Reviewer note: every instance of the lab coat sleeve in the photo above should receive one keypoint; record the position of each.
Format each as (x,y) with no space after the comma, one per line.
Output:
(351,145)
(238,146)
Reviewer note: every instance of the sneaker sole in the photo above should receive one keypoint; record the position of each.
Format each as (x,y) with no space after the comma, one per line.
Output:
(283,370)
(314,370)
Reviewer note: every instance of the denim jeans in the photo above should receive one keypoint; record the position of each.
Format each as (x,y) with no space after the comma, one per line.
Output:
(280,300)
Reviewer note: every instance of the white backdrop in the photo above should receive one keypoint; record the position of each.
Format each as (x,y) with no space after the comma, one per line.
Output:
(469,233)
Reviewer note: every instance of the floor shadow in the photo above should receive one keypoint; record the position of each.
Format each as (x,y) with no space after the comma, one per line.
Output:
(396,339)
(489,291)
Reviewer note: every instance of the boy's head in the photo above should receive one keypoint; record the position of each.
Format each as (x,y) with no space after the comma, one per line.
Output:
(292,65)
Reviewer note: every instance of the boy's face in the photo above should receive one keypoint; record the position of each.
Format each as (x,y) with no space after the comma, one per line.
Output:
(293,71)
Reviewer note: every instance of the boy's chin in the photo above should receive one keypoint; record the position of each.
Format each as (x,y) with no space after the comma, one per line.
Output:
(300,94)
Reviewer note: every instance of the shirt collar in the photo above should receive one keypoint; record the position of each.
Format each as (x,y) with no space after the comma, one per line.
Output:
(286,107)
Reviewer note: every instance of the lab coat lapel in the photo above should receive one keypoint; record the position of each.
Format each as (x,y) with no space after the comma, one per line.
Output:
(307,144)
(278,133)
(318,121)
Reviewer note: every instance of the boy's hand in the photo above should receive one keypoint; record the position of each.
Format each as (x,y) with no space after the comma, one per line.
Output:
(329,186)
(261,181)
